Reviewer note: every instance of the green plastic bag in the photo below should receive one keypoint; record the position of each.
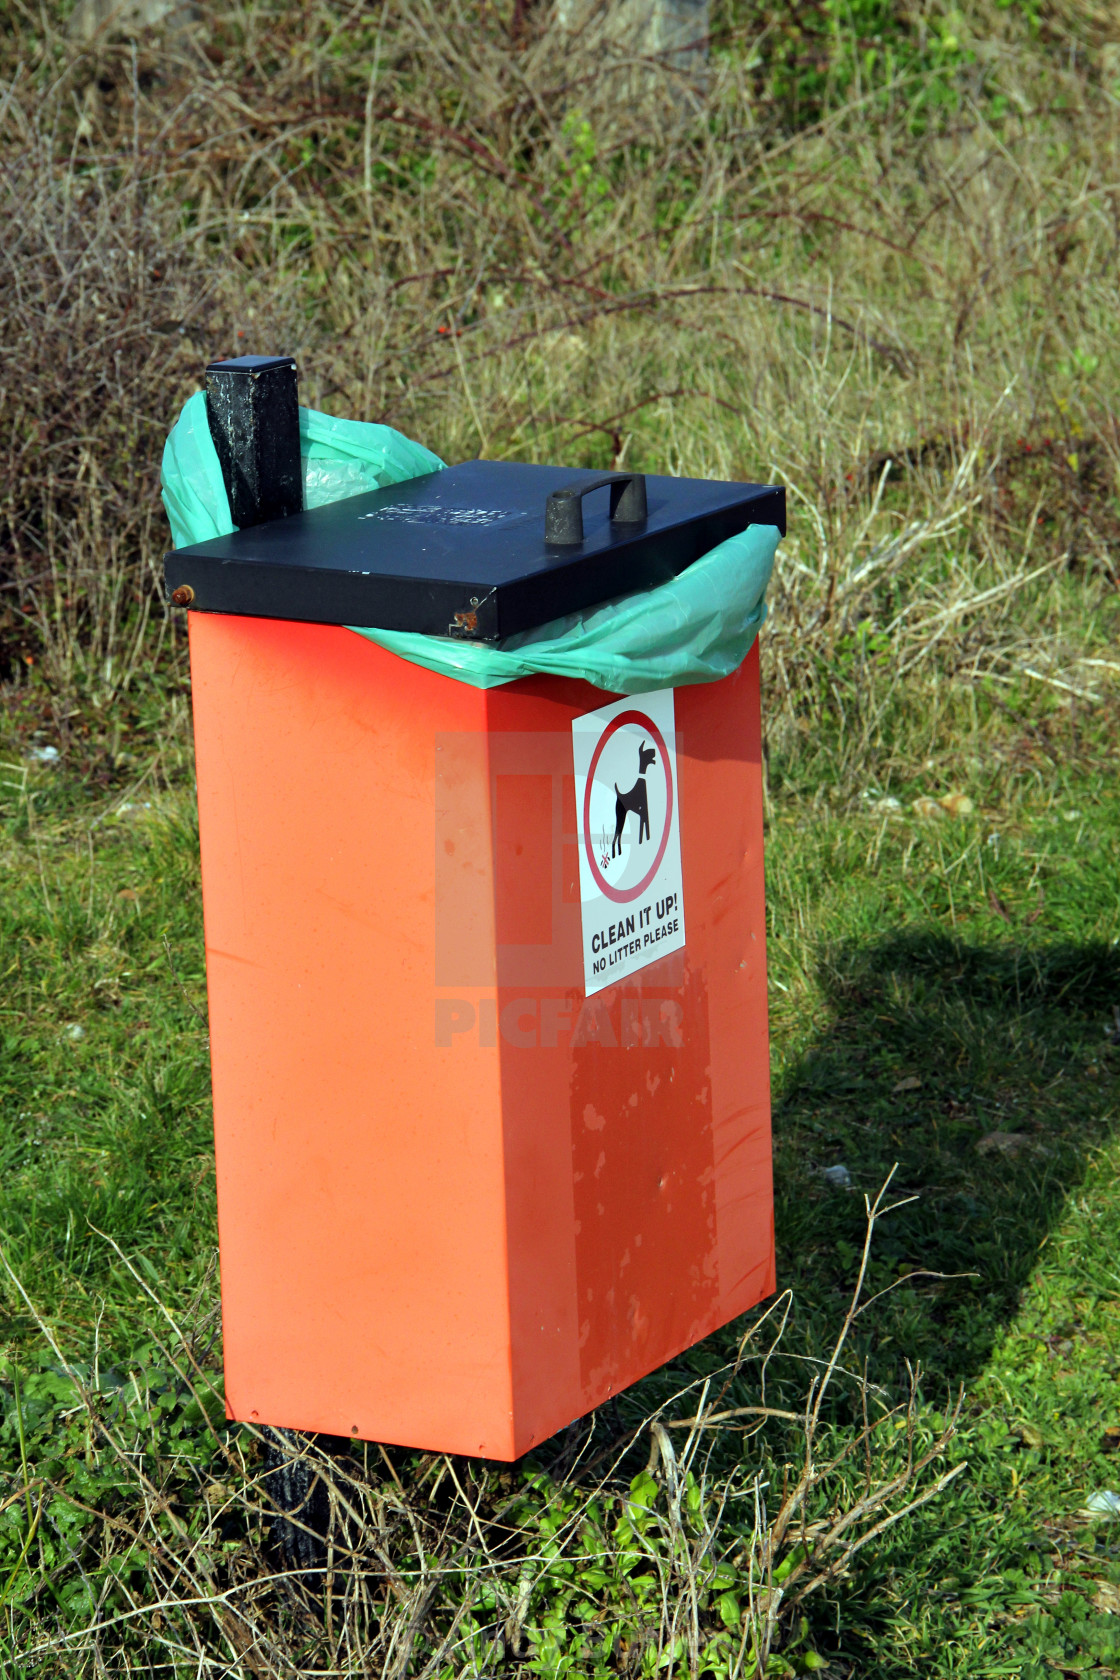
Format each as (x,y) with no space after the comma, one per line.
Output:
(340,458)
(696,628)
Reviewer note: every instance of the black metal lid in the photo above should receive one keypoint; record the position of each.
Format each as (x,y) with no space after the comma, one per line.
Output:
(479,551)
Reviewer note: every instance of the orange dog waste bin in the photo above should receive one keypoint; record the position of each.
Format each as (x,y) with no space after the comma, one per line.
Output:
(486,967)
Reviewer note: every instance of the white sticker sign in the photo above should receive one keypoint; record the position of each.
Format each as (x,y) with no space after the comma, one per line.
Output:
(629,836)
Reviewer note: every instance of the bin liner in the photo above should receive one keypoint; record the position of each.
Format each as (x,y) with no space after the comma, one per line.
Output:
(696,628)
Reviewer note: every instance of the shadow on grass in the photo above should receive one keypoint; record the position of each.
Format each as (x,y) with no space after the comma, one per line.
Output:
(984,1071)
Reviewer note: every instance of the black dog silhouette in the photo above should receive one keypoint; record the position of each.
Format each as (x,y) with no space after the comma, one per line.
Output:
(636,800)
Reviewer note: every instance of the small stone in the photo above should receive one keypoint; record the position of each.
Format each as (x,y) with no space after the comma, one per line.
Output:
(1003,1143)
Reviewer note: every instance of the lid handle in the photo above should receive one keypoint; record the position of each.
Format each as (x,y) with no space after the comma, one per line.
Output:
(563,514)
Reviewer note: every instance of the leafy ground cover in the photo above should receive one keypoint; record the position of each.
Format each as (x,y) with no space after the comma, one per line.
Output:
(944,1002)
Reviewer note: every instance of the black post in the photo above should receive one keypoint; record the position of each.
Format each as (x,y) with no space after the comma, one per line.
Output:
(301,1519)
(253,415)
(254,421)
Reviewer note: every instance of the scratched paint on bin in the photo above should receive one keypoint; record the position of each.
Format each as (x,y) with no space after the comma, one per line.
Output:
(643,1169)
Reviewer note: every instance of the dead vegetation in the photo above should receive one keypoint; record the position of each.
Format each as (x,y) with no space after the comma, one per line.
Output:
(526,248)
(198,1547)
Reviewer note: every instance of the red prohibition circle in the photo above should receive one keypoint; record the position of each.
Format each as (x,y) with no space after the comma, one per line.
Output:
(616,894)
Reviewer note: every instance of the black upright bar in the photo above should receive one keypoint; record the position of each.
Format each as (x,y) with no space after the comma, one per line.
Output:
(253,413)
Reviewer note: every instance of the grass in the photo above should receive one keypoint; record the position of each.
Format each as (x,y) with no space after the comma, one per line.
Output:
(105,1128)
(950,1006)
(944,994)
(873,257)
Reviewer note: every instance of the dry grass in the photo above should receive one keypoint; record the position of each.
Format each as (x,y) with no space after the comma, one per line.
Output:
(538,249)
(217,1553)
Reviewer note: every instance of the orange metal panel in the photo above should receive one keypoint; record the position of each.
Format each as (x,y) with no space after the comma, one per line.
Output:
(458,1203)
